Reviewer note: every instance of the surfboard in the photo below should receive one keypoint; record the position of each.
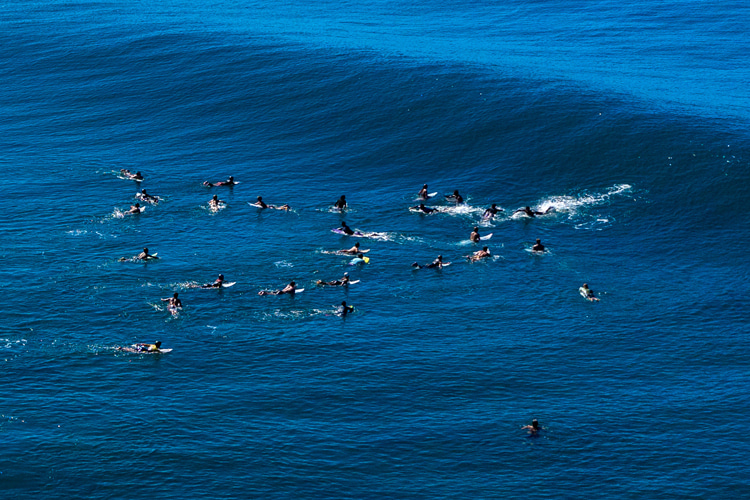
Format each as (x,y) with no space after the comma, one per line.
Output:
(486,237)
(133,349)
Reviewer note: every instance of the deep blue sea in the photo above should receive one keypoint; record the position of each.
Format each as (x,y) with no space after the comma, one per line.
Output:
(630,119)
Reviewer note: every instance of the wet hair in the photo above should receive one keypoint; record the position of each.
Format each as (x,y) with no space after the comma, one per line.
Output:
(292,283)
(484,248)
(221,276)
(260,198)
(175,295)
(145,249)
(476,228)
(157,344)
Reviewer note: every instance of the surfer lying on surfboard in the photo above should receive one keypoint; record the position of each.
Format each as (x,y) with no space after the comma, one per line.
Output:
(342,282)
(435,263)
(354,250)
(533,213)
(132,176)
(422,208)
(261,204)
(229,182)
(455,197)
(134,209)
(144,196)
(587,293)
(216,284)
(143,347)
(291,289)
(479,255)
(491,212)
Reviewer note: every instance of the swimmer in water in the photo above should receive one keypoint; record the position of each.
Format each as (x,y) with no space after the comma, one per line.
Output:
(492,211)
(455,197)
(474,236)
(479,255)
(341,203)
(538,247)
(423,192)
(342,282)
(174,301)
(345,309)
(437,263)
(422,208)
(533,429)
(588,293)
(216,284)
(533,213)
(229,182)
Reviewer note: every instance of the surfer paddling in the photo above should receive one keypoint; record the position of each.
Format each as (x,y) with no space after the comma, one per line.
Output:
(437,263)
(492,211)
(144,347)
(342,282)
(346,229)
(422,208)
(216,284)
(354,250)
(533,213)
(144,196)
(345,309)
(479,255)
(588,293)
(130,175)
(134,209)
(229,182)
(290,289)
(174,301)
(262,204)
(144,255)
(455,197)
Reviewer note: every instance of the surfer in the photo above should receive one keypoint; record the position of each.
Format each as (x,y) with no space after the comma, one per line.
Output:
(346,229)
(291,288)
(141,347)
(134,209)
(422,208)
(533,429)
(533,213)
(474,236)
(588,293)
(353,250)
(216,284)
(479,255)
(144,255)
(455,197)
(143,195)
(423,193)
(492,211)
(132,176)
(215,202)
(229,182)
(345,309)
(435,263)
(262,204)
(538,247)
(341,203)
(174,301)
(342,282)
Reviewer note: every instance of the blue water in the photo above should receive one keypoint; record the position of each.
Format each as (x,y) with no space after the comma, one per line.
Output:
(632,120)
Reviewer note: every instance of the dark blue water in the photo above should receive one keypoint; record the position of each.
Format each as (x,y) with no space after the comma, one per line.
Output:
(630,120)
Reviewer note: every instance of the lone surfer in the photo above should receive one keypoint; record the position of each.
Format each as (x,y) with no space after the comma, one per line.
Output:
(340,203)
(533,429)
(144,255)
(142,347)
(588,293)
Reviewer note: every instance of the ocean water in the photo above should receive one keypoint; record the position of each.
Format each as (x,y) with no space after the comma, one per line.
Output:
(631,120)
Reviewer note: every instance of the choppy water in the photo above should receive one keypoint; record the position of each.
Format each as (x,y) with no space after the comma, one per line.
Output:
(630,120)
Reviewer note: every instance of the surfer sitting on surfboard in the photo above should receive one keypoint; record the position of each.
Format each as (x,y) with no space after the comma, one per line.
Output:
(422,208)
(229,182)
(216,284)
(474,236)
(144,255)
(533,213)
(455,197)
(345,309)
(215,202)
(291,288)
(341,203)
(435,263)
(342,282)
(133,176)
(423,192)
(587,293)
(479,255)
(174,301)
(538,247)
(492,211)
